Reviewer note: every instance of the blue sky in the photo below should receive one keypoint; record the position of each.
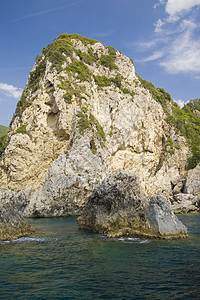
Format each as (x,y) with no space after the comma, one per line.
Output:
(161,36)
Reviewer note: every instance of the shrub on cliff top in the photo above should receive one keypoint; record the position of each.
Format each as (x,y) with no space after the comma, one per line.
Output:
(76,36)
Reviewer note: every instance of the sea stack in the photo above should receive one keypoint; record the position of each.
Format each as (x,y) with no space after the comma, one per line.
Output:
(118,207)
(84,114)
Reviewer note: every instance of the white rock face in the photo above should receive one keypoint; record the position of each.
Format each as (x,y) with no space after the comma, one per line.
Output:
(64,153)
(193,181)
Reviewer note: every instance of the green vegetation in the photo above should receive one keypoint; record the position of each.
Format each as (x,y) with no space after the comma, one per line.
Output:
(159,94)
(109,61)
(76,36)
(21,129)
(117,80)
(80,68)
(54,52)
(70,91)
(185,120)
(127,91)
(3,130)
(90,122)
(99,129)
(57,53)
(188,123)
(170,146)
(103,81)
(4,141)
(68,97)
(22,104)
(89,58)
(36,75)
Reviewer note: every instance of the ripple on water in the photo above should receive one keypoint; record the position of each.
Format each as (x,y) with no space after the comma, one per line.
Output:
(62,262)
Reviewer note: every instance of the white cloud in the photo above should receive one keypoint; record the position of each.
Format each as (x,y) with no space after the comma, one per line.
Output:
(154,56)
(174,7)
(180,103)
(183,54)
(188,25)
(158,26)
(143,46)
(175,45)
(10,90)
(158,3)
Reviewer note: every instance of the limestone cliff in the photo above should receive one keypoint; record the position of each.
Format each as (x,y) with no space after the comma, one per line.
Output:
(85,112)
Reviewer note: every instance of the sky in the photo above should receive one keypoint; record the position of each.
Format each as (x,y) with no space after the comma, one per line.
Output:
(161,36)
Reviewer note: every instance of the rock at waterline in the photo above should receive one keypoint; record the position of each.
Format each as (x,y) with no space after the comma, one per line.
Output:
(12,224)
(119,207)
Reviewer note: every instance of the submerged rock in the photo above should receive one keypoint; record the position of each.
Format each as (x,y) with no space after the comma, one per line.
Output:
(119,207)
(12,224)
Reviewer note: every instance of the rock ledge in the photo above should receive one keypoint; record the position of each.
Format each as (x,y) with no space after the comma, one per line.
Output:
(118,207)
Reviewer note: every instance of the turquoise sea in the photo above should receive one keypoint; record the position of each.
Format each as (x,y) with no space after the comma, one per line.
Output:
(61,262)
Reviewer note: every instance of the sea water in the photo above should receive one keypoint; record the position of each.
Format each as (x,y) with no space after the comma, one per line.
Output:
(62,262)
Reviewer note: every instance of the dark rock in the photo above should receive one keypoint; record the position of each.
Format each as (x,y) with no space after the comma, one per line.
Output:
(178,185)
(119,207)
(12,224)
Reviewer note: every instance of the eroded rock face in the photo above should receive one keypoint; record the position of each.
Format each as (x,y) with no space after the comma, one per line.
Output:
(186,192)
(185,203)
(81,126)
(192,185)
(12,224)
(119,207)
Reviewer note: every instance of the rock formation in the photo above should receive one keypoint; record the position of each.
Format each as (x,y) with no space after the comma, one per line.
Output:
(118,207)
(189,200)
(84,113)
(12,224)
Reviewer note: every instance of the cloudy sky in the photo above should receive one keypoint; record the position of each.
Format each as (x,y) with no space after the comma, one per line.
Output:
(161,36)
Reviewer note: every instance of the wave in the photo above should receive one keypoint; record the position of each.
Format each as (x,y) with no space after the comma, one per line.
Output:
(130,240)
(22,239)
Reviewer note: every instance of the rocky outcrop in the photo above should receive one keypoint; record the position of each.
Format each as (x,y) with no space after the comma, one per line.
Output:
(70,179)
(84,113)
(192,185)
(119,207)
(12,224)
(185,203)
(186,193)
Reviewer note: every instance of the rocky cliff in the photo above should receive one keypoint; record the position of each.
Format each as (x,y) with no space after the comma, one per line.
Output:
(84,113)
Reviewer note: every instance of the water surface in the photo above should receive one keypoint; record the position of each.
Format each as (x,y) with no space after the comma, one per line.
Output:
(61,262)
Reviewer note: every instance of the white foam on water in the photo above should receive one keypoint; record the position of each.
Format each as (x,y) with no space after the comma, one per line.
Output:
(22,239)
(28,239)
(130,240)
(145,242)
(4,243)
